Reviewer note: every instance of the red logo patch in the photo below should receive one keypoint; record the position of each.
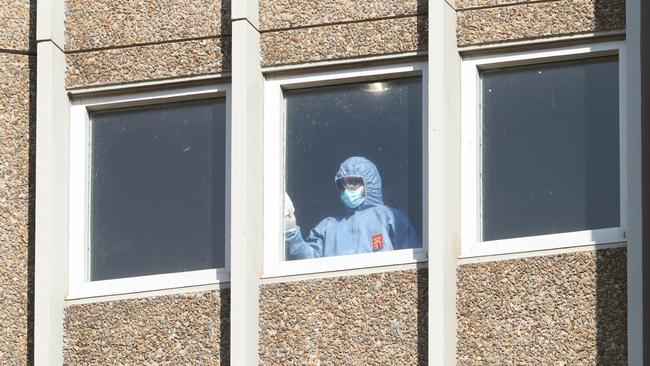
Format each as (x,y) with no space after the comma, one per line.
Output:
(377,242)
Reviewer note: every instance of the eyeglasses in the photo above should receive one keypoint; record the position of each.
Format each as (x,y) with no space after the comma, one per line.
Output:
(351,183)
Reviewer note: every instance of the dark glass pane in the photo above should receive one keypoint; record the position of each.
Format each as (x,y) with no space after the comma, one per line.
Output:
(158,189)
(550,149)
(326,125)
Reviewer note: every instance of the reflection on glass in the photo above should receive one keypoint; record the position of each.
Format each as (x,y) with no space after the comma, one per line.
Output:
(339,139)
(377,87)
(550,149)
(157,189)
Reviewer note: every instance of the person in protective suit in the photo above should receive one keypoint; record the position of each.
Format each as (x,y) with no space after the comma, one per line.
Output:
(368,226)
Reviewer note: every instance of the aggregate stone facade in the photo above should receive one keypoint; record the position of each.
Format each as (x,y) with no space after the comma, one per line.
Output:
(186,329)
(377,319)
(563,309)
(568,309)
(522,20)
(344,41)
(17,96)
(17,24)
(109,23)
(466,4)
(310,31)
(109,42)
(17,140)
(279,14)
(150,62)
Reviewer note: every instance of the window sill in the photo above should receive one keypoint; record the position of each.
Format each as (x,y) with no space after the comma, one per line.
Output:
(543,242)
(148,283)
(345,262)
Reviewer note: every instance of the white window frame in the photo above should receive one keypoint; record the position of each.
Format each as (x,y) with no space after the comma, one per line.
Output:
(79,285)
(274,171)
(471,245)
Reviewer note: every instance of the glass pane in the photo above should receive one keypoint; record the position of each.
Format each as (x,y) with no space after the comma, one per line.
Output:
(550,149)
(380,124)
(157,189)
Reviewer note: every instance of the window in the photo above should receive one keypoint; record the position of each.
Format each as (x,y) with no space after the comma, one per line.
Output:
(346,148)
(541,153)
(148,192)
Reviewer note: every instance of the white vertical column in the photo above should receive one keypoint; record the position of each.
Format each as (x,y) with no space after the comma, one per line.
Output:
(443,181)
(634,233)
(52,107)
(246,183)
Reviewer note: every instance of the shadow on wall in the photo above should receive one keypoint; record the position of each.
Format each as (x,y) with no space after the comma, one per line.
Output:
(645,123)
(32,183)
(611,266)
(224,318)
(226,35)
(224,308)
(423,273)
(423,24)
(611,307)
(423,319)
(609,14)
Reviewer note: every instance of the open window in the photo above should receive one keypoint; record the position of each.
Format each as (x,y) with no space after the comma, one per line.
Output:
(344,162)
(542,157)
(148,176)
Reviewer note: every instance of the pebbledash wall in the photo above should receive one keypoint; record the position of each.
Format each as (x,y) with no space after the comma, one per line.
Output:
(107,43)
(561,308)
(17,122)
(566,308)
(376,319)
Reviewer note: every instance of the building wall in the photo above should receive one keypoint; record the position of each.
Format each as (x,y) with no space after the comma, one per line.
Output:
(377,319)
(185,329)
(568,309)
(116,42)
(304,31)
(565,308)
(561,309)
(17,121)
(497,21)
(109,42)
(374,319)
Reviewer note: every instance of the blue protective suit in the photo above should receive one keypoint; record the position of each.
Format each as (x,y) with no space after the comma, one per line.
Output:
(371,227)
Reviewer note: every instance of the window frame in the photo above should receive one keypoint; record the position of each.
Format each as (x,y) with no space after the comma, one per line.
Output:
(274,170)
(79,285)
(471,244)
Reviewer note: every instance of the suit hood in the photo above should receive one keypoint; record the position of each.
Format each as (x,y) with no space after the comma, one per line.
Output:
(357,166)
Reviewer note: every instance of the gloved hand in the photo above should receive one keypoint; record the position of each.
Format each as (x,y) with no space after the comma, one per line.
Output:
(289,217)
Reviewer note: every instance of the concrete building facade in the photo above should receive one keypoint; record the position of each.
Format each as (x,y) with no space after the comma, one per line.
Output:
(575,299)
